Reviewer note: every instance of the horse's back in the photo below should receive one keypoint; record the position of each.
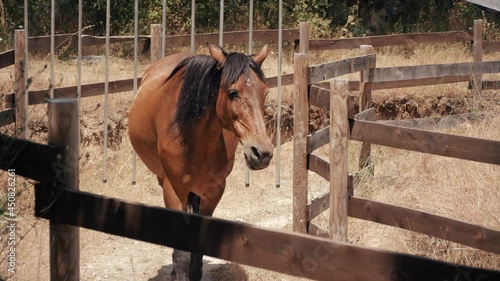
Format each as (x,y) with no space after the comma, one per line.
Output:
(154,97)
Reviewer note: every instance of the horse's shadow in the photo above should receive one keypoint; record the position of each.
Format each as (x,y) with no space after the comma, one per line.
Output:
(211,271)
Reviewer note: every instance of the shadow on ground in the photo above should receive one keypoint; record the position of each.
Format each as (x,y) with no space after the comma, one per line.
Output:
(211,271)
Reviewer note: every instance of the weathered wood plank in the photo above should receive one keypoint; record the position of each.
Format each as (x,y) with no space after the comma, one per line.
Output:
(491,46)
(64,239)
(304,30)
(30,159)
(355,85)
(286,79)
(413,82)
(422,222)
(399,73)
(9,100)
(7,117)
(300,130)
(491,85)
(477,55)
(317,230)
(42,43)
(320,97)
(318,165)
(88,90)
(320,204)
(155,45)
(332,69)
(339,133)
(436,122)
(365,101)
(117,86)
(391,40)
(21,92)
(233,37)
(6,58)
(290,253)
(480,150)
(368,115)
(317,139)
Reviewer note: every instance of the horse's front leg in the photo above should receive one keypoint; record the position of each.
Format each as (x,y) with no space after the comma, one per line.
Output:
(196,263)
(180,259)
(203,206)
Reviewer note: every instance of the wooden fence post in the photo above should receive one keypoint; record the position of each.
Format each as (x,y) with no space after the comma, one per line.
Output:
(365,101)
(339,130)
(65,239)
(304,29)
(477,53)
(300,131)
(155,42)
(21,101)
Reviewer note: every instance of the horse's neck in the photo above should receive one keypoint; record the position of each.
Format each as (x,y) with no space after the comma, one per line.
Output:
(207,134)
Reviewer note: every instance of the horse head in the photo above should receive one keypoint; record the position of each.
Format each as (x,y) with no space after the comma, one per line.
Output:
(240,103)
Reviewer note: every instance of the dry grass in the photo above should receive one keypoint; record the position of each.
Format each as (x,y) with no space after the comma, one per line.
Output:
(455,188)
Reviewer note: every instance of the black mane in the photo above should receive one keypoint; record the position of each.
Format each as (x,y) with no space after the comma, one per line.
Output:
(202,78)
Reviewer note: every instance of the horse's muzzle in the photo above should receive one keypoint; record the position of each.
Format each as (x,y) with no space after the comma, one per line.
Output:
(258,158)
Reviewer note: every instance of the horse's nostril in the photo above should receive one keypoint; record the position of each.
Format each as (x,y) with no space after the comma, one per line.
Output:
(256,152)
(261,155)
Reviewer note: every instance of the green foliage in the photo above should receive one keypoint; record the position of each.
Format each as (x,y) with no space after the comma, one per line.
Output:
(327,17)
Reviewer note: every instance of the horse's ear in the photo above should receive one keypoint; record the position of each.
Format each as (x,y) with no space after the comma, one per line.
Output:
(262,55)
(217,53)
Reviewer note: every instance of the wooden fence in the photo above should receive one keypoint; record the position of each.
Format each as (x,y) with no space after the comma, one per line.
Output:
(346,125)
(412,77)
(55,168)
(42,43)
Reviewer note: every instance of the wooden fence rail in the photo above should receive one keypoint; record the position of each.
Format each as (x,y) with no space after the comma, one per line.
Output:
(391,40)
(467,234)
(289,253)
(7,58)
(42,43)
(383,78)
(7,117)
(96,89)
(321,72)
(390,74)
(30,159)
(453,230)
(400,39)
(467,148)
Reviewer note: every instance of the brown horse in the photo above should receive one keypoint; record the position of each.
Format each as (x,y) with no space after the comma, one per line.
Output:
(185,123)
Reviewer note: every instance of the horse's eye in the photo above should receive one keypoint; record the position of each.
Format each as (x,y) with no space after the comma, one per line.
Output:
(233,94)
